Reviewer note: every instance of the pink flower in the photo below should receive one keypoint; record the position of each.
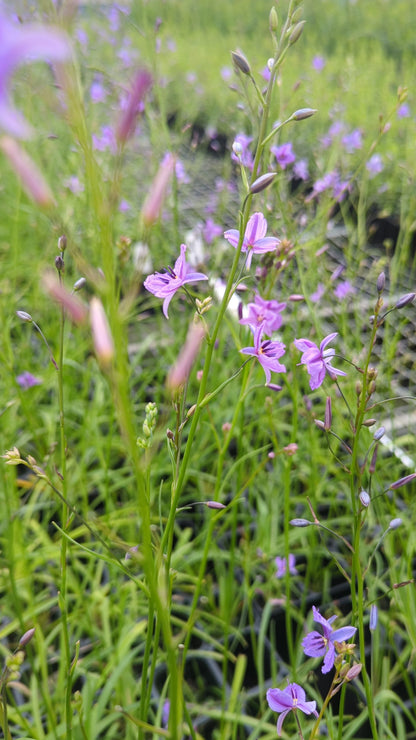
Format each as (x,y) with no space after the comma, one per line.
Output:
(165,285)
(266,314)
(255,240)
(267,353)
(318,360)
(288,700)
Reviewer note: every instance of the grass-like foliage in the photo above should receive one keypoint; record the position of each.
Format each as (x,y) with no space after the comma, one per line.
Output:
(207,420)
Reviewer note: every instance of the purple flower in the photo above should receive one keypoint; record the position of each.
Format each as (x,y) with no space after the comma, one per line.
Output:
(284,154)
(107,140)
(374,165)
(267,353)
(255,240)
(19,44)
(317,360)
(300,169)
(317,295)
(265,314)
(98,93)
(27,380)
(403,111)
(343,290)
(211,230)
(283,565)
(165,285)
(245,156)
(318,63)
(353,141)
(287,700)
(316,645)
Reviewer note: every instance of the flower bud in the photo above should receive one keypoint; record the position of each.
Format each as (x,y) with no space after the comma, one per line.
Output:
(240,62)
(262,182)
(396,523)
(404,300)
(214,505)
(402,481)
(62,243)
(59,263)
(79,284)
(24,316)
(369,422)
(328,414)
(379,433)
(273,20)
(364,498)
(300,522)
(381,281)
(373,617)
(26,637)
(302,113)
(296,33)
(141,84)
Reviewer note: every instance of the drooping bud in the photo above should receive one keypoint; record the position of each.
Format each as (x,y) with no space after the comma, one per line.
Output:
(302,113)
(23,316)
(214,505)
(300,522)
(404,300)
(396,523)
(241,62)
(262,182)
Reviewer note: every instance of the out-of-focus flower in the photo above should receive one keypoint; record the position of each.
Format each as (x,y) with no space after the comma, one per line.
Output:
(107,140)
(243,153)
(211,230)
(316,645)
(374,165)
(98,93)
(135,103)
(165,285)
(403,111)
(284,154)
(318,359)
(179,373)
(318,63)
(101,333)
(265,314)
(19,44)
(267,353)
(72,304)
(300,169)
(153,204)
(373,617)
(288,700)
(255,240)
(318,293)
(29,174)
(353,141)
(283,565)
(74,184)
(343,290)
(26,380)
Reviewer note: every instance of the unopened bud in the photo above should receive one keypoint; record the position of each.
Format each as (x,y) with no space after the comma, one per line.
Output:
(302,113)
(273,20)
(274,387)
(404,300)
(328,414)
(262,182)
(402,481)
(300,522)
(240,62)
(26,637)
(373,617)
(23,316)
(381,281)
(353,672)
(373,460)
(369,422)
(364,498)
(379,433)
(396,523)
(59,263)
(296,33)
(296,297)
(62,243)
(320,424)
(237,148)
(214,505)
(79,284)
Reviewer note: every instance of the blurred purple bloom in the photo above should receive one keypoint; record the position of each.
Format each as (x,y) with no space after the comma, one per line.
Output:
(74,184)
(284,154)
(98,93)
(211,230)
(283,565)
(246,158)
(374,165)
(403,111)
(165,713)
(255,240)
(27,380)
(267,353)
(316,645)
(124,206)
(300,169)
(19,44)
(107,140)
(343,290)
(287,700)
(165,285)
(353,141)
(226,73)
(317,360)
(335,130)
(317,295)
(180,172)
(265,314)
(318,63)
(265,73)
